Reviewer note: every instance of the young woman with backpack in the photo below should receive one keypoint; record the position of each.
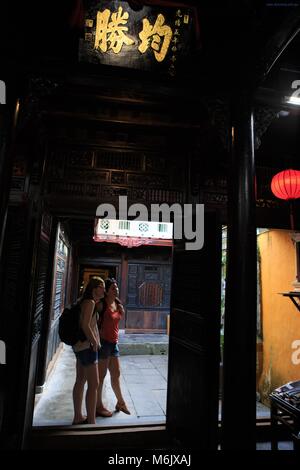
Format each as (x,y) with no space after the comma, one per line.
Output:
(86,352)
(111,311)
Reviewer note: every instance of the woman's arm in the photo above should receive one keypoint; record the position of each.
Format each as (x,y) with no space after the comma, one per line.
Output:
(88,307)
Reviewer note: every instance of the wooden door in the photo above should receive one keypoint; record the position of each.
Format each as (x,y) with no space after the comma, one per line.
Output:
(148,297)
(88,273)
(194,348)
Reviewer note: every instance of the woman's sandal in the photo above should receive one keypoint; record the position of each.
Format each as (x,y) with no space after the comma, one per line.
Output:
(104,413)
(122,407)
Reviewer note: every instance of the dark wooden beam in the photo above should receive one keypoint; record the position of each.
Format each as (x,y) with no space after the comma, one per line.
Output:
(239,365)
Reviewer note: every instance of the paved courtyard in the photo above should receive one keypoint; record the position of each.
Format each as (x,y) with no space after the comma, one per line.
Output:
(143,382)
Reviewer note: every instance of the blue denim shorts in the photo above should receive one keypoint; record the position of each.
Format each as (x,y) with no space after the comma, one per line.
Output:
(108,349)
(87,357)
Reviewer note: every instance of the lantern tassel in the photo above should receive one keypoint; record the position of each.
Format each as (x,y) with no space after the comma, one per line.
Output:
(292,215)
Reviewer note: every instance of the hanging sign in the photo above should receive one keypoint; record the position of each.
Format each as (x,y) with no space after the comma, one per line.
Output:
(151,38)
(133,233)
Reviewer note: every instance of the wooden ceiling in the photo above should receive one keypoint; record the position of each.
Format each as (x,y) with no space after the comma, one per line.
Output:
(126,105)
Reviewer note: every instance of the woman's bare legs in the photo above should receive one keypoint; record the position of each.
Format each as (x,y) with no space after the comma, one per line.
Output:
(102,370)
(114,369)
(78,392)
(91,393)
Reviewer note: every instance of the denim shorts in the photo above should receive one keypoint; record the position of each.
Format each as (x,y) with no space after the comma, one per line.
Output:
(108,349)
(87,357)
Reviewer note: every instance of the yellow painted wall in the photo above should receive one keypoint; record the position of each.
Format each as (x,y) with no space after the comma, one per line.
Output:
(280,318)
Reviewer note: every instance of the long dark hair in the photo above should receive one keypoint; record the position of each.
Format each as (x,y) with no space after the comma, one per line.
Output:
(102,304)
(108,282)
(93,283)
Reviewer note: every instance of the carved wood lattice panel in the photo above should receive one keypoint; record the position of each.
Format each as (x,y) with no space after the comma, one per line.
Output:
(106,174)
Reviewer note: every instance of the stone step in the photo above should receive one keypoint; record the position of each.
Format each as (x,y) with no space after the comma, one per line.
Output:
(152,344)
(143,348)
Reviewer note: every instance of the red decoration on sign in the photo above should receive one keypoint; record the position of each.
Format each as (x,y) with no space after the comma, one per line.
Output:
(286,184)
(132,242)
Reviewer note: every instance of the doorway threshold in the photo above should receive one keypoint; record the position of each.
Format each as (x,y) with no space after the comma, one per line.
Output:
(103,423)
(93,437)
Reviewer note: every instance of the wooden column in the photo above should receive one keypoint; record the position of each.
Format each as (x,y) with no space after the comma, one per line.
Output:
(239,395)
(8,120)
(124,283)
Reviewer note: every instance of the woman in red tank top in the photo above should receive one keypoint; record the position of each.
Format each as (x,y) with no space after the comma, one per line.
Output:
(109,352)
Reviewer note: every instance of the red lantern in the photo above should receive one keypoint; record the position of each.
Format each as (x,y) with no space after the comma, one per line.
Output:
(286,185)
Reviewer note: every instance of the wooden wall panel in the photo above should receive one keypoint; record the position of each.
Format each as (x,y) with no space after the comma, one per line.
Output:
(140,321)
(16,325)
(148,296)
(194,345)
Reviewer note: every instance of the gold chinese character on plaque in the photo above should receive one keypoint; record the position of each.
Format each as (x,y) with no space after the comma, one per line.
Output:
(111,34)
(160,34)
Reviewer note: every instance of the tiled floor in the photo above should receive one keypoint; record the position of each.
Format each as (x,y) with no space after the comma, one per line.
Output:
(144,385)
(143,382)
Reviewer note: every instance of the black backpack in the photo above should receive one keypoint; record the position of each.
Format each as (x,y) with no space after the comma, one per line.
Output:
(69,327)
